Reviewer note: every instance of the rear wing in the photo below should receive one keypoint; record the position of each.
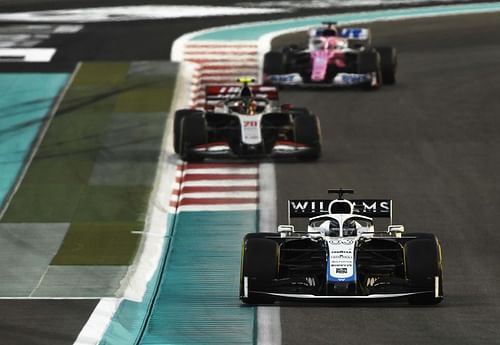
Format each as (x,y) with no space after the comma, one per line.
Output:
(308,208)
(357,36)
(218,93)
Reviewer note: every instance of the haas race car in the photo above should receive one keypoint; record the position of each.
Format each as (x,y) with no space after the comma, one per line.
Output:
(246,121)
(341,257)
(335,57)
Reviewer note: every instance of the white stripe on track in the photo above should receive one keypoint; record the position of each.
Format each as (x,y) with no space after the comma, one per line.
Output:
(131,13)
(216,171)
(98,322)
(222,50)
(27,54)
(268,318)
(224,78)
(218,57)
(213,65)
(268,325)
(233,207)
(219,44)
(229,71)
(267,198)
(220,183)
(211,195)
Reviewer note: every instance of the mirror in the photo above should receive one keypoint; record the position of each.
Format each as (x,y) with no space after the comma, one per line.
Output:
(396,229)
(285,229)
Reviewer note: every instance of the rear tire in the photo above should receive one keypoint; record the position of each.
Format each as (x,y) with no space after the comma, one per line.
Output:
(259,263)
(179,115)
(307,132)
(423,265)
(388,64)
(193,133)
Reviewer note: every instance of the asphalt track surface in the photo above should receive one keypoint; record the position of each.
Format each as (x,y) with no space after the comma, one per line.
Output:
(431,144)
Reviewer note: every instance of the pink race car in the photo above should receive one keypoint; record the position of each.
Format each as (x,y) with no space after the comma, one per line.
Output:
(334,57)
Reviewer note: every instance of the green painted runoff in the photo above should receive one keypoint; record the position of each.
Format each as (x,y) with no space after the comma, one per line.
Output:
(96,164)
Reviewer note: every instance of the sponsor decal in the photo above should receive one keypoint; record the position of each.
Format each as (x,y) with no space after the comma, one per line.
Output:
(371,281)
(377,208)
(249,123)
(347,242)
(351,79)
(250,129)
(285,78)
(341,260)
(354,33)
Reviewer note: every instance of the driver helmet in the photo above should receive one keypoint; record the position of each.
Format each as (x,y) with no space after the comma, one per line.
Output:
(317,43)
(251,107)
(247,105)
(329,228)
(329,32)
(350,228)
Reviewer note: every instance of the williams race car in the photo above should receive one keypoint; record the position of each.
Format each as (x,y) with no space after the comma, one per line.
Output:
(335,57)
(341,257)
(246,121)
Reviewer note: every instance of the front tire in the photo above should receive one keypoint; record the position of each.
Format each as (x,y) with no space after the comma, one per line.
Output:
(179,115)
(193,133)
(388,64)
(369,63)
(259,266)
(423,266)
(307,131)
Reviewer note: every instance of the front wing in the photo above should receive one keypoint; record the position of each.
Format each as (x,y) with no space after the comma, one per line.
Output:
(281,149)
(340,80)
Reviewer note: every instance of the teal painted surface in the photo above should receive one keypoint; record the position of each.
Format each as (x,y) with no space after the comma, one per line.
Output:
(252,32)
(196,298)
(25,103)
(129,320)
(198,301)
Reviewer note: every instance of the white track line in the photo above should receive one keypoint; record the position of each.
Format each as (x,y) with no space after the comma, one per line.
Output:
(221,50)
(268,318)
(222,207)
(96,325)
(216,171)
(130,13)
(26,54)
(220,183)
(211,195)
